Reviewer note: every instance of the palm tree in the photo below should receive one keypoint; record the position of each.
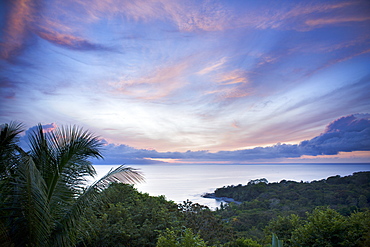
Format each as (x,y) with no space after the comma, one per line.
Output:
(44,191)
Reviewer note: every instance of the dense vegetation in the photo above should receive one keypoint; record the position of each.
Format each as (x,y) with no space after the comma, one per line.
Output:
(344,194)
(43,192)
(44,201)
(136,219)
(263,201)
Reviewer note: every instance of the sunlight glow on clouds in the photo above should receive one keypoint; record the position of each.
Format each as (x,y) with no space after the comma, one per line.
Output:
(173,76)
(346,134)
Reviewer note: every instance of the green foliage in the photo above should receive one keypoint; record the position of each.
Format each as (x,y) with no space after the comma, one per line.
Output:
(43,191)
(358,228)
(326,227)
(136,219)
(205,223)
(283,226)
(243,242)
(263,202)
(180,238)
(44,202)
(130,219)
(336,192)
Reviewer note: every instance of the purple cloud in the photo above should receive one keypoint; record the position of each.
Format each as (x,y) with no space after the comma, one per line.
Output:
(346,134)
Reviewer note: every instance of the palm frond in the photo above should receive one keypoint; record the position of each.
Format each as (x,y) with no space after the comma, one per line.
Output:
(44,194)
(9,137)
(24,205)
(73,147)
(62,156)
(34,202)
(121,174)
(9,133)
(41,153)
(91,195)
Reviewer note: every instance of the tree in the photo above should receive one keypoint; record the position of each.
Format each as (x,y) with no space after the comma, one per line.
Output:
(243,242)
(205,223)
(283,227)
(180,238)
(324,227)
(43,191)
(130,218)
(358,229)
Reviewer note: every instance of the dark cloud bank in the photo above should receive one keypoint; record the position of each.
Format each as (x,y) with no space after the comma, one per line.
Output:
(346,134)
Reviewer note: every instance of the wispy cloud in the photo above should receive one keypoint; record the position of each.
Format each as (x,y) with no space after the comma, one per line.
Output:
(346,134)
(27,19)
(228,84)
(69,41)
(178,75)
(303,16)
(8,88)
(215,66)
(16,30)
(155,85)
(330,21)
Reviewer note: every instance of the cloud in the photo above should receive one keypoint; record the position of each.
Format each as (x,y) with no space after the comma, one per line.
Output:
(69,41)
(330,21)
(16,28)
(24,141)
(46,128)
(27,18)
(64,23)
(8,88)
(346,134)
(155,85)
(228,84)
(213,67)
(199,16)
(304,16)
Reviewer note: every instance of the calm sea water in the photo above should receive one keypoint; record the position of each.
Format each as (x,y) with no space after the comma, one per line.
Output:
(179,182)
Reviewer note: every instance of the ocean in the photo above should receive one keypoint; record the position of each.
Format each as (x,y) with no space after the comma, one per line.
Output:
(179,182)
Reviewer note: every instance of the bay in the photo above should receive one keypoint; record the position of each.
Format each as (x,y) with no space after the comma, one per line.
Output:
(179,182)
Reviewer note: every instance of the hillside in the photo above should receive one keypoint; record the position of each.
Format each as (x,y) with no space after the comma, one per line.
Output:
(262,201)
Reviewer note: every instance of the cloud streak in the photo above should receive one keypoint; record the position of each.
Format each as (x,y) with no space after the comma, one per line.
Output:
(177,75)
(26,20)
(346,134)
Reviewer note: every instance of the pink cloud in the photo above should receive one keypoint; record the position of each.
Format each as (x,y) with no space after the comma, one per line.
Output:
(346,134)
(155,85)
(330,21)
(230,84)
(16,27)
(46,128)
(301,16)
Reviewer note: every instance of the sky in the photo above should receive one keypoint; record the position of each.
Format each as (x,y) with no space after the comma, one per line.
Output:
(193,81)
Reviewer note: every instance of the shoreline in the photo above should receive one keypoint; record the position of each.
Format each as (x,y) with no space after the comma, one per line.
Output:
(224,199)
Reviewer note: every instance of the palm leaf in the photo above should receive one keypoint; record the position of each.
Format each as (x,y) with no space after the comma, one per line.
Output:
(24,205)
(62,157)
(8,147)
(34,203)
(72,147)
(9,134)
(121,174)
(43,192)
(69,224)
(41,153)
